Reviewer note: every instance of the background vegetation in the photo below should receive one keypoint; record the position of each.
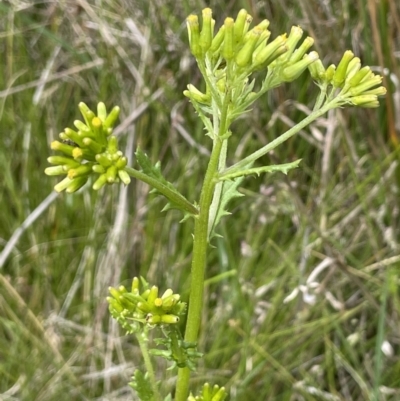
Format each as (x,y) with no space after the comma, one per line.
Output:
(339,211)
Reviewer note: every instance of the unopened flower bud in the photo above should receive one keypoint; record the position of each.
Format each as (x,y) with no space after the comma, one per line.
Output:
(243,57)
(121,163)
(72,135)
(228,51)
(124,177)
(206,31)
(98,168)
(219,393)
(101,111)
(104,160)
(302,50)
(195,94)
(341,70)
(217,40)
(317,70)
(239,25)
(55,170)
(144,306)
(330,72)
(294,37)
(115,304)
(270,51)
(93,145)
(192,23)
(294,71)
(262,41)
(62,147)
(82,170)
(111,174)
(169,319)
(62,160)
(82,127)
(77,183)
(170,301)
(100,182)
(158,302)
(111,119)
(112,144)
(365,86)
(367,101)
(63,185)
(98,130)
(380,91)
(359,76)
(86,113)
(153,294)
(135,284)
(353,67)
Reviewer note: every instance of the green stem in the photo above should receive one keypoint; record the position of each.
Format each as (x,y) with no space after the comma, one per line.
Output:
(200,245)
(142,340)
(284,137)
(170,194)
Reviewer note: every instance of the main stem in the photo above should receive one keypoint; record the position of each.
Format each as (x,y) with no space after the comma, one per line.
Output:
(200,245)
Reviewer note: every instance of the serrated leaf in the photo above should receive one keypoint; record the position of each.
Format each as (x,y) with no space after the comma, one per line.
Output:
(217,211)
(142,386)
(201,110)
(284,168)
(151,174)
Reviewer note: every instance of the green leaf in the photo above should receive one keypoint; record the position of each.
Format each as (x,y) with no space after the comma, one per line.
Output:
(151,174)
(228,191)
(284,168)
(141,384)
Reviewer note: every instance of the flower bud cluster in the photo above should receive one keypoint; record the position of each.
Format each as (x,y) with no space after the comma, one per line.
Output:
(227,58)
(209,393)
(248,49)
(358,85)
(91,148)
(130,308)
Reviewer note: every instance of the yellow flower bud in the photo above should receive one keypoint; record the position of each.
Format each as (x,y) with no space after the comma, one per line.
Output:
(206,31)
(192,23)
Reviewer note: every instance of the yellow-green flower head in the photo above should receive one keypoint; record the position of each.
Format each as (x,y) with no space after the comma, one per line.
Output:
(144,306)
(91,148)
